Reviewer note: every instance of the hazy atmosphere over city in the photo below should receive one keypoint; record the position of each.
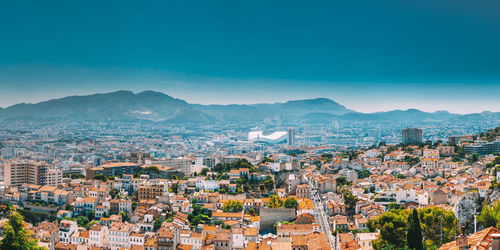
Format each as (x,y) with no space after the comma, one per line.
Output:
(250,125)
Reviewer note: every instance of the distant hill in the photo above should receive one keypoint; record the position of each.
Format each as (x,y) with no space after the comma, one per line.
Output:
(159,107)
(116,106)
(290,110)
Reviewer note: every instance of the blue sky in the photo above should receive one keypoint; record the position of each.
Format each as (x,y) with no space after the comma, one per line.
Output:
(368,55)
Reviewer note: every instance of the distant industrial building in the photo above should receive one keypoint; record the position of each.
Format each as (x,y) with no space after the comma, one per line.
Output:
(276,137)
(412,136)
(483,148)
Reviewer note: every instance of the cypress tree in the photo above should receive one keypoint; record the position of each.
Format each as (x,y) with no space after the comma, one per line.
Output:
(414,235)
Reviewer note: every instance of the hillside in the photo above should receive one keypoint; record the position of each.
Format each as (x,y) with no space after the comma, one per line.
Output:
(159,107)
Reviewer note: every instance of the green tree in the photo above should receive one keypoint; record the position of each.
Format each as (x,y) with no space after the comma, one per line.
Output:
(204,171)
(394,205)
(474,157)
(350,201)
(265,160)
(16,236)
(198,215)
(174,188)
(275,202)
(430,221)
(269,183)
(291,203)
(232,207)
(100,177)
(414,235)
(392,226)
(490,215)
(91,215)
(341,181)
(157,224)
(363,173)
(124,216)
(77,176)
(90,224)
(153,169)
(82,220)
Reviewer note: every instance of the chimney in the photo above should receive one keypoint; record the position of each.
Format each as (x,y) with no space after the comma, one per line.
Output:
(495,242)
(462,242)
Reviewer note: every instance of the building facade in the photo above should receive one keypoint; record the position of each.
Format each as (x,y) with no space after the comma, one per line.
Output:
(412,136)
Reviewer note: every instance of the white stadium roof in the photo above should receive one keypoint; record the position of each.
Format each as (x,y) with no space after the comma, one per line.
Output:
(275,137)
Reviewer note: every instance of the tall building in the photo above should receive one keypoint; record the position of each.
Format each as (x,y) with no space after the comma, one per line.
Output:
(412,136)
(17,173)
(291,136)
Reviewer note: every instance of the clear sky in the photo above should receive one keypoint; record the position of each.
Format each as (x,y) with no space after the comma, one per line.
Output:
(367,55)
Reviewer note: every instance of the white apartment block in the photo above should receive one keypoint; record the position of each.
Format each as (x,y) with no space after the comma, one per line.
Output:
(66,229)
(119,236)
(98,235)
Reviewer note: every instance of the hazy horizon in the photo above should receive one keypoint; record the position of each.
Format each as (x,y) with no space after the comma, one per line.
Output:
(242,103)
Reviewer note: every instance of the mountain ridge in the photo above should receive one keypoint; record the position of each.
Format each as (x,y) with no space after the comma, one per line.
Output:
(125,105)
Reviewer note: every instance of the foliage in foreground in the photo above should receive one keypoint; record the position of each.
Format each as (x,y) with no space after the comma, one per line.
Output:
(393,226)
(16,236)
(490,215)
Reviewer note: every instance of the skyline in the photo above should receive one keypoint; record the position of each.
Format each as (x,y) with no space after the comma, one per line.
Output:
(391,55)
(251,103)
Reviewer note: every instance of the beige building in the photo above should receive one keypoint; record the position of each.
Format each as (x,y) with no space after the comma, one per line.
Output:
(303,191)
(17,173)
(365,240)
(150,190)
(287,230)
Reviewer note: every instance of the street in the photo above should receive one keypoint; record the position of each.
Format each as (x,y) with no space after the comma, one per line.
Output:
(320,215)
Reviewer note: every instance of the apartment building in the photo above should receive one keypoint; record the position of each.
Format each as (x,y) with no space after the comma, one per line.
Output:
(119,235)
(112,169)
(181,165)
(119,205)
(303,191)
(98,235)
(150,190)
(66,229)
(19,172)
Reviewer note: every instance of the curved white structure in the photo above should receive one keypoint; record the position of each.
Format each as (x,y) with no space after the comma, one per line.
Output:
(276,137)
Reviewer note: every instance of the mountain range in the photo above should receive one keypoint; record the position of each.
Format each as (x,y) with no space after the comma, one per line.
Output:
(159,107)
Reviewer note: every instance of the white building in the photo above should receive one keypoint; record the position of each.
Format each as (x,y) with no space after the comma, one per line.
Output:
(365,240)
(136,239)
(119,235)
(237,238)
(98,235)
(66,229)
(276,137)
